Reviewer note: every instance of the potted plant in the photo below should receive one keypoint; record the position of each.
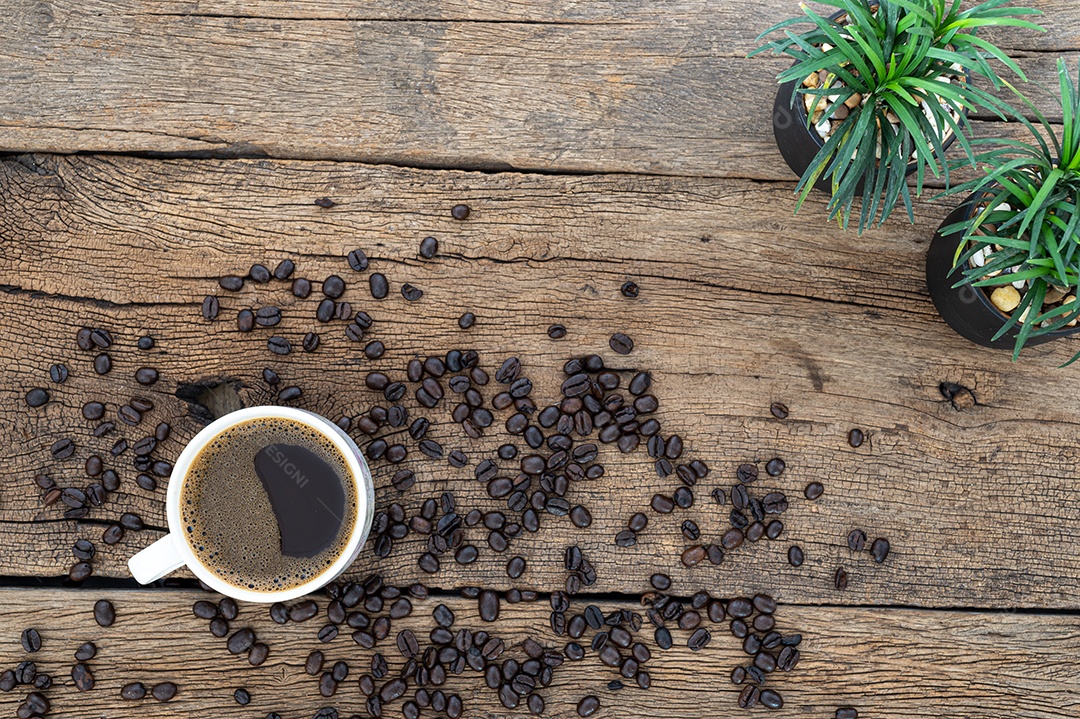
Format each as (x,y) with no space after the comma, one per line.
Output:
(879,90)
(1012,248)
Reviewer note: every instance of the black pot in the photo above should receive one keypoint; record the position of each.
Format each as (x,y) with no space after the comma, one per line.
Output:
(968,309)
(799,144)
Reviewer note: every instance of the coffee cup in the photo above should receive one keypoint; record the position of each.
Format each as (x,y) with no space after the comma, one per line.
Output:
(265,523)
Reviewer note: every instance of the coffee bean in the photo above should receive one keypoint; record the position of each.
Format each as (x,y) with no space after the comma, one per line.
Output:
(749,697)
(245,320)
(746,473)
(699,639)
(775,467)
(241,641)
(580,516)
(210,308)
(279,345)
(625,538)
(588,706)
(36,397)
(661,582)
(489,606)
(629,289)
(693,555)
(556,331)
(133,691)
(231,283)
(847,713)
(380,288)
(621,343)
(855,437)
(164,691)
(333,287)
(104,613)
(86,652)
(460,212)
(30,640)
(879,550)
(146,375)
(102,364)
(840,579)
(219,627)
(411,292)
(358,260)
(301,288)
(242,697)
(856,540)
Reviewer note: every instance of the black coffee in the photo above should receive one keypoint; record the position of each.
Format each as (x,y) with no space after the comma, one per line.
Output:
(268,504)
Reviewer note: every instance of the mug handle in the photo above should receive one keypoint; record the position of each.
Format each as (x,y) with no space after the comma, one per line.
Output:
(157,560)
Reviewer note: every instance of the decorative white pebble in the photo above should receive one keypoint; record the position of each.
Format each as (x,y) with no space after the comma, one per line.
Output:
(979,258)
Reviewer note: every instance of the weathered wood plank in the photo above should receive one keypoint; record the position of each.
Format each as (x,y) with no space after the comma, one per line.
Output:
(887,663)
(977,499)
(668,92)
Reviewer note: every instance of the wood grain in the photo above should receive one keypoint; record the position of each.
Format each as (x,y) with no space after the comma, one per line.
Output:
(902,664)
(497,86)
(976,498)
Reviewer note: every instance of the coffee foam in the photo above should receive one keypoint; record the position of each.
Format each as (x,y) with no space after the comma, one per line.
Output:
(227,518)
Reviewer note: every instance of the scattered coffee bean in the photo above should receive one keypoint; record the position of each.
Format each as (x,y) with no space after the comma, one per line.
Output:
(856,540)
(621,343)
(460,212)
(36,397)
(879,550)
(133,691)
(840,579)
(588,706)
(411,293)
(30,640)
(556,332)
(380,288)
(629,289)
(104,613)
(164,691)
(778,410)
(855,437)
(795,556)
(814,490)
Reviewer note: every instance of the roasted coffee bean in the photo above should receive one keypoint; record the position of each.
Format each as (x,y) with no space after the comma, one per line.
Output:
(133,691)
(621,343)
(856,540)
(778,410)
(380,288)
(813,490)
(847,713)
(746,473)
(86,652)
(879,550)
(102,364)
(775,467)
(411,293)
(840,579)
(279,345)
(58,373)
(240,696)
(358,260)
(164,691)
(104,613)
(112,534)
(699,639)
(461,212)
(30,640)
(36,397)
(210,308)
(787,659)
(580,516)
(219,627)
(241,641)
(333,287)
(749,697)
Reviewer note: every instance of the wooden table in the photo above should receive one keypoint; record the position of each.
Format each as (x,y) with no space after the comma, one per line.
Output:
(156,145)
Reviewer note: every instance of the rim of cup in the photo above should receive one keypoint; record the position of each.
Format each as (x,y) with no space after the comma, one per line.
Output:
(353,458)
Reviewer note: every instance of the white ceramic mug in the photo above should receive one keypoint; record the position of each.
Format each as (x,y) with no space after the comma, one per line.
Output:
(172,551)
